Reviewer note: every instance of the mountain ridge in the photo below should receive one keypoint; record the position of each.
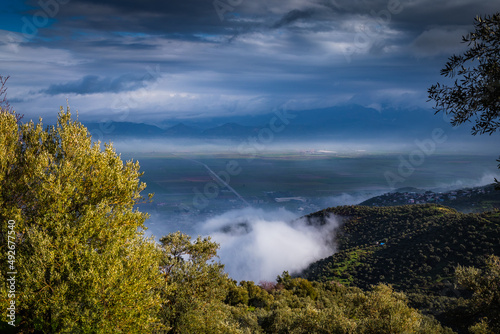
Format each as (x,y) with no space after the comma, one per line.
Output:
(351,121)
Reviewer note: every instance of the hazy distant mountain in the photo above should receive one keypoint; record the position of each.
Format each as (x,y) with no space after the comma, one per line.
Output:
(340,122)
(231,130)
(124,129)
(359,122)
(182,130)
(335,123)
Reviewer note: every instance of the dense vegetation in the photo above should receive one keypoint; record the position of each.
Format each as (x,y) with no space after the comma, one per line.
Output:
(77,241)
(408,246)
(200,298)
(415,248)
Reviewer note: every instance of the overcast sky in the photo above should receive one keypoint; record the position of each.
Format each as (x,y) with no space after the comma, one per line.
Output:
(152,60)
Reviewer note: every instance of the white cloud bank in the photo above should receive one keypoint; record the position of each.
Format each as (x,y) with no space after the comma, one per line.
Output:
(258,245)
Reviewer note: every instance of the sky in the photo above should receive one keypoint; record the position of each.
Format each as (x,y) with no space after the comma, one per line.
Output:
(147,61)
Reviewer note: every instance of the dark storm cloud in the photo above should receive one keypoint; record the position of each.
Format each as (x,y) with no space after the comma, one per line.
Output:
(292,16)
(119,44)
(94,84)
(194,20)
(248,57)
(412,16)
(440,40)
(188,19)
(159,17)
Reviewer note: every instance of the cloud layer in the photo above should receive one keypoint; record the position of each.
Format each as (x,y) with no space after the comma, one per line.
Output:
(245,57)
(259,245)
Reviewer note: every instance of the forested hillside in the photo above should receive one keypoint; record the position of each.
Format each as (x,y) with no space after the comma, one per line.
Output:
(414,248)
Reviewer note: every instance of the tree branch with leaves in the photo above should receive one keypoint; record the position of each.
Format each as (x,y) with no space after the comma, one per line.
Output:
(476,90)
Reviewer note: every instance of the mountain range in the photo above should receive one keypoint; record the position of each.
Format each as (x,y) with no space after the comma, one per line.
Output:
(351,122)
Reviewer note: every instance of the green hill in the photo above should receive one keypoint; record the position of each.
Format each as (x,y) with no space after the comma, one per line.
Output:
(411,247)
(415,248)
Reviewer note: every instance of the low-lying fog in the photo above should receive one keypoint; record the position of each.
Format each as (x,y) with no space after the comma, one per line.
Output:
(258,245)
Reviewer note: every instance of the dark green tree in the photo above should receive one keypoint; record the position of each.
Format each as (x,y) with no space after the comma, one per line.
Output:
(195,288)
(485,302)
(476,90)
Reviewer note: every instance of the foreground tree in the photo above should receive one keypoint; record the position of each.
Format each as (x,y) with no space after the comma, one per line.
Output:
(82,262)
(196,287)
(476,91)
(484,306)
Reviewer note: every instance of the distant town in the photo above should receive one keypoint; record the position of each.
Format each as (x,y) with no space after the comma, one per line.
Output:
(466,200)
